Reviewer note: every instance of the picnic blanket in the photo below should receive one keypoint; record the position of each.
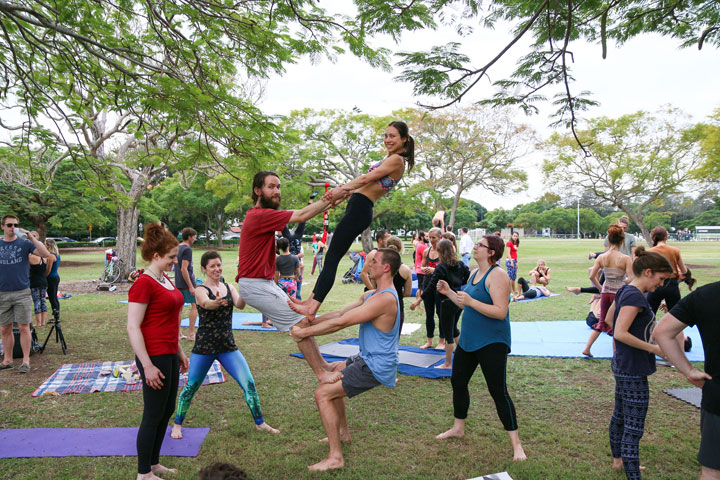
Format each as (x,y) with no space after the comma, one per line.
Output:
(86,378)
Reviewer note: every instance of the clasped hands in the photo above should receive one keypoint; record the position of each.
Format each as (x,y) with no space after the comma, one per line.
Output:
(335,196)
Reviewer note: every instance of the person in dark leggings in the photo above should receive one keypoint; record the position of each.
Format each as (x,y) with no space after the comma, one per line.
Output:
(455,274)
(53,278)
(364,191)
(429,262)
(634,359)
(154,329)
(484,340)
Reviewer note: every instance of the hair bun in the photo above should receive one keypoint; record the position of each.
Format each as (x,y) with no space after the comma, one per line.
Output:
(640,251)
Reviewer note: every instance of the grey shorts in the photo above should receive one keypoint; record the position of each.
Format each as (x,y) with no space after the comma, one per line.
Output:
(709,440)
(357,377)
(16,306)
(266,297)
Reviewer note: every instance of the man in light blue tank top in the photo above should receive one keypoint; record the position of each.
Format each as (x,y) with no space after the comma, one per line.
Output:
(378,314)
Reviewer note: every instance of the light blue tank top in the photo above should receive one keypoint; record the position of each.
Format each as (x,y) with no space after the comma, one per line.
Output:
(380,349)
(54,268)
(478,330)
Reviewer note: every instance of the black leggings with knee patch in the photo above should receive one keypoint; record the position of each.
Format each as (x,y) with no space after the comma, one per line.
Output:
(493,362)
(159,406)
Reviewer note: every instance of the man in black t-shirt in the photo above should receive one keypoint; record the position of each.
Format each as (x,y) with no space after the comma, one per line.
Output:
(700,308)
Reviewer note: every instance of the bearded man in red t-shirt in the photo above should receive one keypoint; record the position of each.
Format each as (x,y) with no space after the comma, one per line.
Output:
(256,264)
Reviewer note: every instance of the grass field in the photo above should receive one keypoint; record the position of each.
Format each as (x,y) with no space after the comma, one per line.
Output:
(563,405)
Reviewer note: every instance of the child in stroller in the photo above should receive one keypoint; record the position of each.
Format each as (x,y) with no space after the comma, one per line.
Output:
(353,273)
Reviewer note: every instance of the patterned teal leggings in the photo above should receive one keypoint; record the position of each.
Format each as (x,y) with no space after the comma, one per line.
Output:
(235,364)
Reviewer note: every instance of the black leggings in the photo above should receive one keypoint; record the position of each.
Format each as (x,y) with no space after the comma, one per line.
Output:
(493,362)
(670,292)
(593,289)
(449,314)
(159,406)
(429,303)
(52,290)
(358,216)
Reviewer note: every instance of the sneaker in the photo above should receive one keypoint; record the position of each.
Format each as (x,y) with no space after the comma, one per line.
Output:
(24,368)
(6,367)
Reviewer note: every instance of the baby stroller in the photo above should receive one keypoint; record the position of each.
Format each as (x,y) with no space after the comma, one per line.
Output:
(353,273)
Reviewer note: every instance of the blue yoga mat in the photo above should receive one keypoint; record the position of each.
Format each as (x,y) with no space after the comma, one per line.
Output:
(537,298)
(238,319)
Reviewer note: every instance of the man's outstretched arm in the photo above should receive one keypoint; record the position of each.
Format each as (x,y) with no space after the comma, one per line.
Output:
(309,211)
(366,312)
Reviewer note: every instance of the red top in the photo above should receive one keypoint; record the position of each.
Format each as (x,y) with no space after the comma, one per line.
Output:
(419,249)
(256,255)
(512,250)
(161,324)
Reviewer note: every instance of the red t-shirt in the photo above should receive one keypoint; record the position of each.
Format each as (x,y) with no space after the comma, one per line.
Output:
(160,326)
(513,250)
(256,255)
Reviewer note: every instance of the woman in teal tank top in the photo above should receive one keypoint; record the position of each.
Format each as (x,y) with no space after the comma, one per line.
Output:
(484,340)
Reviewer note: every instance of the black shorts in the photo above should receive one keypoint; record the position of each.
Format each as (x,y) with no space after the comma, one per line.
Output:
(357,377)
(709,440)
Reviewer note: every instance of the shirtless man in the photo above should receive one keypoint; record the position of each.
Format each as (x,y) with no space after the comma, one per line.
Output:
(256,266)
(377,312)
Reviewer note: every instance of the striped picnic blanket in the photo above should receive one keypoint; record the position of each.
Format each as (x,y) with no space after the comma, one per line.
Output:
(86,378)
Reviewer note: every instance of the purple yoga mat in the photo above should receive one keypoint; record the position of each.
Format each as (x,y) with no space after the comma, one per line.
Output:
(91,442)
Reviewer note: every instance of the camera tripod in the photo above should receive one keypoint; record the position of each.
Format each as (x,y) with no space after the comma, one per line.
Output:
(59,337)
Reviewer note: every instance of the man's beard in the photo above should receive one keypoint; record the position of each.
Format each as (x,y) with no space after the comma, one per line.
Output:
(270,202)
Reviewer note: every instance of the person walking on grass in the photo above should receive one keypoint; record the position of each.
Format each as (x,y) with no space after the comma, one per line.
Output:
(430,259)
(16,304)
(377,313)
(511,263)
(634,358)
(484,340)
(154,306)
(185,278)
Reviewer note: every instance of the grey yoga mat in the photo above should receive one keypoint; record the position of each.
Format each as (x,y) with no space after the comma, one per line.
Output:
(422,360)
(691,395)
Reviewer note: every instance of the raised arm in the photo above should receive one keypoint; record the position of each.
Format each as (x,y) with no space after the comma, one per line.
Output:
(365,312)
(309,211)
(388,166)
(237,299)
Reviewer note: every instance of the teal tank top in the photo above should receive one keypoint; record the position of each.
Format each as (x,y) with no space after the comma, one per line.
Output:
(477,330)
(54,268)
(380,349)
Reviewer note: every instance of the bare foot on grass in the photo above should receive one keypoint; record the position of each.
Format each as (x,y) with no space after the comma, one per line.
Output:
(162,470)
(618,465)
(587,353)
(147,476)
(427,345)
(327,464)
(452,433)
(267,428)
(344,438)
(519,454)
(176,431)
(444,365)
(575,290)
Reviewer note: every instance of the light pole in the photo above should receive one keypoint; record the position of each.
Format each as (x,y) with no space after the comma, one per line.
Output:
(578,218)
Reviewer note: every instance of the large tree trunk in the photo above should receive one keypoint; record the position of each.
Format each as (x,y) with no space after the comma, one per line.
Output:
(638,219)
(366,239)
(126,242)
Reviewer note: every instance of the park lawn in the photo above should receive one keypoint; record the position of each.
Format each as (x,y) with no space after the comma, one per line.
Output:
(563,405)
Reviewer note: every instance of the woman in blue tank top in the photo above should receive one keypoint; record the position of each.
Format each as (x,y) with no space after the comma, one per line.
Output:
(484,340)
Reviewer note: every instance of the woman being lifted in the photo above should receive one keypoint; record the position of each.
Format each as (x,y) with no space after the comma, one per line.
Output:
(363,191)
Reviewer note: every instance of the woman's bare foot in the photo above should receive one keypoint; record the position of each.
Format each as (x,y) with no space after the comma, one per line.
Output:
(147,476)
(428,344)
(444,365)
(161,470)
(267,325)
(267,428)
(328,464)
(587,353)
(519,454)
(441,346)
(575,290)
(454,432)
(618,465)
(176,431)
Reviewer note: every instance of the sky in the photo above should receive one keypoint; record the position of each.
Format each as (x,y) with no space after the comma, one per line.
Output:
(644,74)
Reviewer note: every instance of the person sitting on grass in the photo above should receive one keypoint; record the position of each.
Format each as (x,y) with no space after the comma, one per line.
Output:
(540,274)
(528,291)
(378,314)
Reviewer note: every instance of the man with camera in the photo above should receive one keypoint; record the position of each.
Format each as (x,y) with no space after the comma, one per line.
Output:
(15,299)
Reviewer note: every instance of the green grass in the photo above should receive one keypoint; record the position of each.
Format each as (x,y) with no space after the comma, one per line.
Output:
(563,405)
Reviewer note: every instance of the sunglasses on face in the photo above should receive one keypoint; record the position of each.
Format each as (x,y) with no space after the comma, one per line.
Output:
(14,225)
